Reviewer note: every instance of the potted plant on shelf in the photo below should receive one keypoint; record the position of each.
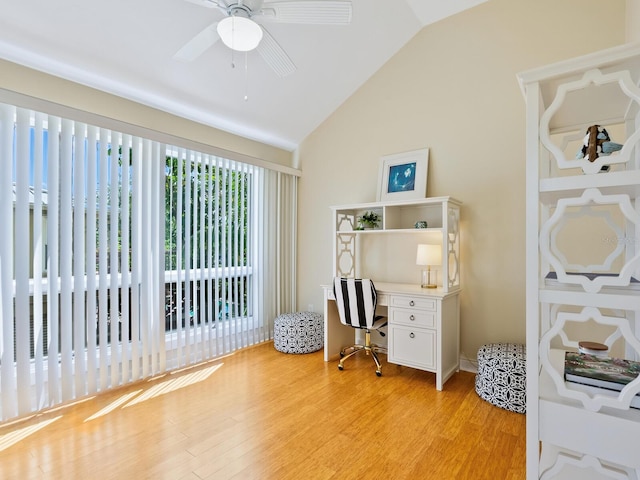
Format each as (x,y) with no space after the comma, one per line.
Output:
(368,221)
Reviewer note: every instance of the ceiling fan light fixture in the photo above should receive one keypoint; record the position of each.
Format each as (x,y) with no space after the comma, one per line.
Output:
(239,33)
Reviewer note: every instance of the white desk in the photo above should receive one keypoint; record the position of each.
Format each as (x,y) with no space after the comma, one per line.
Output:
(423,331)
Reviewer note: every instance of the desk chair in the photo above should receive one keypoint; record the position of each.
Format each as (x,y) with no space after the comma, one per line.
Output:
(356,301)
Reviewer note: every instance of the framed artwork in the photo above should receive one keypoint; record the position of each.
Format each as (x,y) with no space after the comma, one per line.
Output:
(403,176)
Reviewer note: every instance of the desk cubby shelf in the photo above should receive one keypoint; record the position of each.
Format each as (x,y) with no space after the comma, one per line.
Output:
(442,215)
(583,261)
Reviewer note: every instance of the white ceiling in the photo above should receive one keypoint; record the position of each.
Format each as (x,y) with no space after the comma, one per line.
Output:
(126,47)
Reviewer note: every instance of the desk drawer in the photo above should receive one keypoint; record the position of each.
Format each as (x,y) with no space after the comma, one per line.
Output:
(413,347)
(409,317)
(421,303)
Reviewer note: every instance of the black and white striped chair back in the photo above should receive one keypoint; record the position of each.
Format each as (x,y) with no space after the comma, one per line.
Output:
(356,300)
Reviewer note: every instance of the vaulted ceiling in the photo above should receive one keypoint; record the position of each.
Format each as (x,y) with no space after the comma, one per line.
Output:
(128,48)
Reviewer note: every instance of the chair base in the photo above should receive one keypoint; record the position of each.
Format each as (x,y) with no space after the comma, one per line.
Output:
(368,348)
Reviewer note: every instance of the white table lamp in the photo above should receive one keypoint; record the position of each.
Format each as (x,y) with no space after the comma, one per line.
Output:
(428,256)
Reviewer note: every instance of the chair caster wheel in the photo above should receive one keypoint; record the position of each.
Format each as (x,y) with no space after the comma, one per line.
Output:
(341,354)
(340,367)
(378,373)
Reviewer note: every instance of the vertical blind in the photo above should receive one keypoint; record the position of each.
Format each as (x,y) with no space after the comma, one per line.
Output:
(124,257)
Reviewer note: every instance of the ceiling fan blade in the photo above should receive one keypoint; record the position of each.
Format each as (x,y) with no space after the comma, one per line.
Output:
(274,55)
(325,12)
(198,44)
(208,3)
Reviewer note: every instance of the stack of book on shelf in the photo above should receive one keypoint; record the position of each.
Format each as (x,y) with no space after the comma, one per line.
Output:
(607,373)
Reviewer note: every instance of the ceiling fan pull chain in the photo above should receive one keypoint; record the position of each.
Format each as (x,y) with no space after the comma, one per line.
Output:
(246,76)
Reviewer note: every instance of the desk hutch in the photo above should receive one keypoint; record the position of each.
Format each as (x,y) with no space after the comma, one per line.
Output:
(424,323)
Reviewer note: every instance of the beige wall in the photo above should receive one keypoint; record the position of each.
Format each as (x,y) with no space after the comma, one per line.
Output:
(633,21)
(453,89)
(36,84)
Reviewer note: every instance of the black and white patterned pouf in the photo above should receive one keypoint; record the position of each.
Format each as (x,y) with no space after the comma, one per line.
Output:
(300,332)
(502,379)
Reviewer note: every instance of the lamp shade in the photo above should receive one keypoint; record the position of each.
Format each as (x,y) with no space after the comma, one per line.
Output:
(239,33)
(428,255)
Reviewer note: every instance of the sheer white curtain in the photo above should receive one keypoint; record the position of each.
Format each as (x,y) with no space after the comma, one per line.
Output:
(123,257)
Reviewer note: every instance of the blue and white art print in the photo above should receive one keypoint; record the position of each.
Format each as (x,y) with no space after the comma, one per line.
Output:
(403,176)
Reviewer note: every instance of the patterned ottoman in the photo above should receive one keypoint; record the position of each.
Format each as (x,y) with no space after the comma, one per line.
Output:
(301,332)
(501,379)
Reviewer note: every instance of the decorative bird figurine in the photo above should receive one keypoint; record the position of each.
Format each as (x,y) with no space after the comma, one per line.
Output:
(597,143)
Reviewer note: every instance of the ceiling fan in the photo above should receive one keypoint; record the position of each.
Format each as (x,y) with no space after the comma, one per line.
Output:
(240,31)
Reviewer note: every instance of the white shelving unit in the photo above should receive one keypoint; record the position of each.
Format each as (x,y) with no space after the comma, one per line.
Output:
(442,215)
(580,222)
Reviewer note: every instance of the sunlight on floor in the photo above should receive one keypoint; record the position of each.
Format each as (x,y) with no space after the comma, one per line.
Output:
(16,436)
(111,407)
(129,399)
(175,384)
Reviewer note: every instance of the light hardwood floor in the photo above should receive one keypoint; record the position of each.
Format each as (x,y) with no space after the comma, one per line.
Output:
(261,414)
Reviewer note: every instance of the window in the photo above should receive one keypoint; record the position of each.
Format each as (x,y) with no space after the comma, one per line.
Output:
(125,257)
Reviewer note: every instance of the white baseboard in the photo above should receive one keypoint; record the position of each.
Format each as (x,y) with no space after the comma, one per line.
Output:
(467,365)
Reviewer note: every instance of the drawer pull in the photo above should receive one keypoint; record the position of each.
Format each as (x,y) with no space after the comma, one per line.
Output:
(412,317)
(412,335)
(412,303)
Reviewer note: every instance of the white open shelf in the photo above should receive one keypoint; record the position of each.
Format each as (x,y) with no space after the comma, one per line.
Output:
(585,221)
